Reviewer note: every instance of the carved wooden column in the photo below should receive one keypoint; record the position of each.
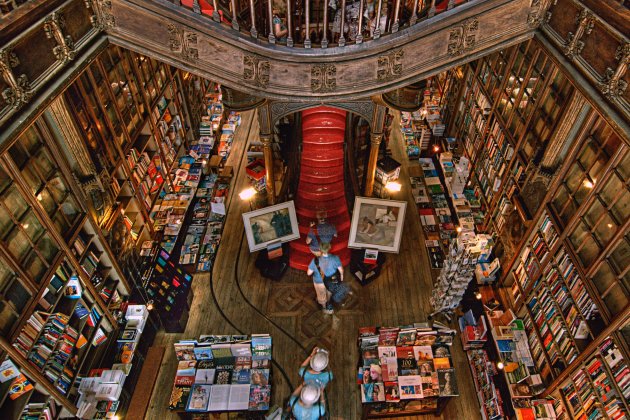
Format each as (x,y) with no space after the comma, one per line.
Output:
(289,24)
(266,140)
(235,25)
(564,132)
(266,137)
(307,35)
(360,34)
(272,36)
(342,38)
(378,119)
(377,29)
(324,43)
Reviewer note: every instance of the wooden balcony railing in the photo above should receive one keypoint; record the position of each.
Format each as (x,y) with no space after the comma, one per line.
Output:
(318,23)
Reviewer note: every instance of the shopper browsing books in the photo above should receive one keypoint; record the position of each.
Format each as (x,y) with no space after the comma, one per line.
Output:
(311,403)
(321,232)
(314,368)
(322,268)
(280,30)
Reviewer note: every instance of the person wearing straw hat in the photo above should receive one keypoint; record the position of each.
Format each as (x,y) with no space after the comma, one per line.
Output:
(314,368)
(308,402)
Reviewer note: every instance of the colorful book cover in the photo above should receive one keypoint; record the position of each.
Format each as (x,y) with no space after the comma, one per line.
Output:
(199,398)
(447,382)
(259,397)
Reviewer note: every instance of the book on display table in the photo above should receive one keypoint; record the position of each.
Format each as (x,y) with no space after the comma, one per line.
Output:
(405,370)
(222,373)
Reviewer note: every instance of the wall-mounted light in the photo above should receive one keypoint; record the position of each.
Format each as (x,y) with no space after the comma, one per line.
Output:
(500,365)
(150,305)
(478,295)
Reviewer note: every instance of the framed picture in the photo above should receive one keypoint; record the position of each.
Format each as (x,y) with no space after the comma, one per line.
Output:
(277,223)
(377,224)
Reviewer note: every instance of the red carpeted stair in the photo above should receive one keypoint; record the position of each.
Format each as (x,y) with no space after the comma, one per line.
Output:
(321,186)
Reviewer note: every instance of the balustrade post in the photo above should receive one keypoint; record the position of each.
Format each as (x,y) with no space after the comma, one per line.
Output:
(414,14)
(234,21)
(215,13)
(396,10)
(360,34)
(377,29)
(342,38)
(324,43)
(289,24)
(196,8)
(272,36)
(432,9)
(252,14)
(307,38)
(450,5)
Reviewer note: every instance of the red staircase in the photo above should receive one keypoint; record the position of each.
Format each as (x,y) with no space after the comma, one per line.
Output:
(321,186)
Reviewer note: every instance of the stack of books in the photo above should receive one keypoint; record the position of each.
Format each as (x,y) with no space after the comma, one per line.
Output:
(223,373)
(407,362)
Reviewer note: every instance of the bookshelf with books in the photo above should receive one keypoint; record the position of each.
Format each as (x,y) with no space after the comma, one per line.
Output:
(21,397)
(523,370)
(489,397)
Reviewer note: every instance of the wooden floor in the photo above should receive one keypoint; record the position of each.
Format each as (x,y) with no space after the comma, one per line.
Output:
(399,296)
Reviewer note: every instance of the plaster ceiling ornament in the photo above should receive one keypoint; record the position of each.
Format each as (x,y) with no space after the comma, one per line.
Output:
(256,70)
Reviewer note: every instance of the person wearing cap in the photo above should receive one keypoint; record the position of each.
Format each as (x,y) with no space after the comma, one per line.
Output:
(308,402)
(319,233)
(313,369)
(325,265)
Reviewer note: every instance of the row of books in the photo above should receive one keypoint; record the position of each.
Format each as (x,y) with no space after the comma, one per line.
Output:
(408,362)
(416,133)
(483,371)
(572,318)
(19,384)
(576,286)
(221,373)
(100,391)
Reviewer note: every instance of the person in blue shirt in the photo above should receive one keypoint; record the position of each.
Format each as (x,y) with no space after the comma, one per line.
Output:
(311,403)
(321,232)
(327,264)
(313,369)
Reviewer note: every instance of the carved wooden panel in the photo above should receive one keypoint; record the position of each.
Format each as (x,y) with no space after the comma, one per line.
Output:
(563,14)
(33,57)
(35,52)
(599,48)
(350,72)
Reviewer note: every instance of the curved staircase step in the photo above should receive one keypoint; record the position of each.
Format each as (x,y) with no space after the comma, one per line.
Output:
(322,192)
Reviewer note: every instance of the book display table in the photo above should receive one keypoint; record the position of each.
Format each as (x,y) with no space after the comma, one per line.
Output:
(405,371)
(220,373)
